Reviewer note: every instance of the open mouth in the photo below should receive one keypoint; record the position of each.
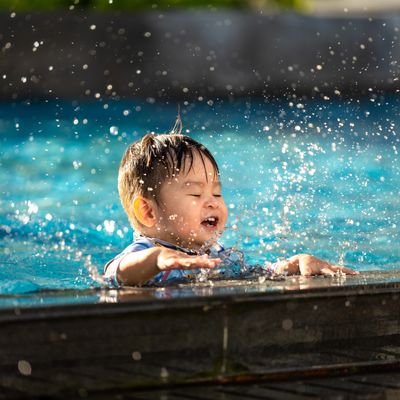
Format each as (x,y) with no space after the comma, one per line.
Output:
(210,221)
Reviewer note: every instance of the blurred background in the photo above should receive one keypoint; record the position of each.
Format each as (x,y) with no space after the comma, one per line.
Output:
(189,48)
(309,6)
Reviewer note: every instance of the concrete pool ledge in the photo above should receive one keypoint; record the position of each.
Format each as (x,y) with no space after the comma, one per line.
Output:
(189,334)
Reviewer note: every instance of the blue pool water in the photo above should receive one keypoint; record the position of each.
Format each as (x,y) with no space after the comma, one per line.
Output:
(299,176)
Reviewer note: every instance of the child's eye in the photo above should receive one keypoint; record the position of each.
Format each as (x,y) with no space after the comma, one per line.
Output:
(217,195)
(195,195)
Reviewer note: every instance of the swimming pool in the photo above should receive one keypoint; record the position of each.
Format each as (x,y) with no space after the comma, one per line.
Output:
(299,176)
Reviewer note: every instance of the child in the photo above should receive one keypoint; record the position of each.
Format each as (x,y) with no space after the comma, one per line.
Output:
(170,189)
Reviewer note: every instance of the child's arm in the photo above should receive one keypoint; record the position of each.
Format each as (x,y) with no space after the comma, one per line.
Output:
(138,267)
(307,265)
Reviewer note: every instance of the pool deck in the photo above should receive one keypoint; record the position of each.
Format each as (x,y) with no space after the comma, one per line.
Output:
(234,332)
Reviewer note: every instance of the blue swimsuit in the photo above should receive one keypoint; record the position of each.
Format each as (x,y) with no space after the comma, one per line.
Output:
(143,243)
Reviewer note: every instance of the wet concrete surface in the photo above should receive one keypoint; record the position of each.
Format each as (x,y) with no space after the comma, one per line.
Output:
(371,281)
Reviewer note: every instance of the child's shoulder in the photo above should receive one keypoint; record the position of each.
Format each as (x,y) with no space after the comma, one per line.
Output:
(139,243)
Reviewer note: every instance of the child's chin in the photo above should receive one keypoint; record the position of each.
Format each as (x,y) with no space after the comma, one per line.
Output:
(209,237)
(206,236)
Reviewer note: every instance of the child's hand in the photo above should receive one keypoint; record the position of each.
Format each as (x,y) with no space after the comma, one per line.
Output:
(172,259)
(307,265)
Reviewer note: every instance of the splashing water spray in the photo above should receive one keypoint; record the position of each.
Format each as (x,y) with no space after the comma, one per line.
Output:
(233,264)
(93,271)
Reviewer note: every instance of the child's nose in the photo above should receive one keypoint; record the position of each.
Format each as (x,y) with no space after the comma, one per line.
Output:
(212,202)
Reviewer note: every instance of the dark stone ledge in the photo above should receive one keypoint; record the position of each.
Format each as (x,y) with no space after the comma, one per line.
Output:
(187,334)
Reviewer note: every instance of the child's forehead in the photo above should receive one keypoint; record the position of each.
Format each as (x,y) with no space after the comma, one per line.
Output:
(199,173)
(199,183)
(199,165)
(195,176)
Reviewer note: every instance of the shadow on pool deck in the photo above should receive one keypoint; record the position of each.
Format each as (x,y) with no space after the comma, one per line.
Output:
(234,331)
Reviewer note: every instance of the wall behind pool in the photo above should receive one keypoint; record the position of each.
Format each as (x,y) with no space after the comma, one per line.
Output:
(191,54)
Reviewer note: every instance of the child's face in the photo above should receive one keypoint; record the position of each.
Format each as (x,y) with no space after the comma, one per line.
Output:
(191,209)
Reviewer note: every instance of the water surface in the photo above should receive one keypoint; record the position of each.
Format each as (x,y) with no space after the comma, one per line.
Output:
(315,176)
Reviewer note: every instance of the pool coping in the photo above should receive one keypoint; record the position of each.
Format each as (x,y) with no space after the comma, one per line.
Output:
(69,300)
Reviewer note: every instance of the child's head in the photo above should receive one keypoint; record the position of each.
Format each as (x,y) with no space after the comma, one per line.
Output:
(169,187)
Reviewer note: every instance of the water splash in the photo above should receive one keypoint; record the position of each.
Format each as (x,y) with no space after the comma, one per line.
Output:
(93,270)
(233,265)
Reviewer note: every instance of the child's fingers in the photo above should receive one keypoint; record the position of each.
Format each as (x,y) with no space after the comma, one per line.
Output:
(309,269)
(312,266)
(199,262)
(350,271)
(327,271)
(305,270)
(346,270)
(175,260)
(190,262)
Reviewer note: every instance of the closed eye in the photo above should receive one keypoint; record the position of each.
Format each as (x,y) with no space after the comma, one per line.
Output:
(194,195)
(217,195)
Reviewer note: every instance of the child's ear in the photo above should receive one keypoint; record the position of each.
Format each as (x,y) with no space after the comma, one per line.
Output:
(144,211)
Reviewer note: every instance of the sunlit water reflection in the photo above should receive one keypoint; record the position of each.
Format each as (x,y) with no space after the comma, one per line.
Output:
(299,176)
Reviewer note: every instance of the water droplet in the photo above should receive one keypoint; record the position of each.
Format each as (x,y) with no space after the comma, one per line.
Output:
(76,164)
(164,373)
(114,130)
(24,367)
